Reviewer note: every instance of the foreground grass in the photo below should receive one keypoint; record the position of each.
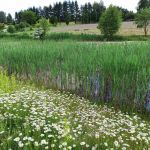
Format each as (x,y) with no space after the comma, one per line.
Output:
(33,119)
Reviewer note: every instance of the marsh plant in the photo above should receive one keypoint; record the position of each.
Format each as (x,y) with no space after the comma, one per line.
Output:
(115,73)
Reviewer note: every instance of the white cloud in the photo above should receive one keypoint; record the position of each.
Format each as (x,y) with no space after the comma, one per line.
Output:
(11,6)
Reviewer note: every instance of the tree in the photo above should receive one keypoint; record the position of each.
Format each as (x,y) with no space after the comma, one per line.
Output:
(17,17)
(36,11)
(44,26)
(98,9)
(66,14)
(110,21)
(85,14)
(143,4)
(143,19)
(72,11)
(28,17)
(9,19)
(77,12)
(126,14)
(2,17)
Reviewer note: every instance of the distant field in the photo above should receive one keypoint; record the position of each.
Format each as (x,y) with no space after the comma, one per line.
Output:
(127,28)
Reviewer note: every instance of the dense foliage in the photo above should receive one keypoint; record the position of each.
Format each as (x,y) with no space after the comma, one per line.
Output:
(143,4)
(120,75)
(2,17)
(28,17)
(2,26)
(143,19)
(71,12)
(110,21)
(11,29)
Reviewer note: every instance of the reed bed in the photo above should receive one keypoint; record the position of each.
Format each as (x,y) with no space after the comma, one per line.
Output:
(116,73)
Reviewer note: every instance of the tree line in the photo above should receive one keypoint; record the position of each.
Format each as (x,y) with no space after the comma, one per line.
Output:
(109,19)
(67,11)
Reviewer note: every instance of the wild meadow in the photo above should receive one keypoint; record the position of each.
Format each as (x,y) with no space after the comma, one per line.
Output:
(36,119)
(115,73)
(61,110)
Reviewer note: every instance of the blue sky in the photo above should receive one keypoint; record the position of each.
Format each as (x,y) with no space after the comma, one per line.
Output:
(11,6)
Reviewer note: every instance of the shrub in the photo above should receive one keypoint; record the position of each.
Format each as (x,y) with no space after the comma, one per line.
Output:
(21,26)
(2,26)
(43,26)
(11,29)
(110,21)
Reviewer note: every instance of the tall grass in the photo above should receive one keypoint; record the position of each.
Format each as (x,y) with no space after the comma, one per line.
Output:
(115,73)
(75,37)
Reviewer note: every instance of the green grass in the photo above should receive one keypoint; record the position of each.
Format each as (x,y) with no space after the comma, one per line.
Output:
(117,73)
(75,37)
(33,119)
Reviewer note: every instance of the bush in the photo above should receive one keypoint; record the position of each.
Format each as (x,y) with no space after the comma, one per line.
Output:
(11,29)
(43,27)
(21,26)
(2,26)
(110,21)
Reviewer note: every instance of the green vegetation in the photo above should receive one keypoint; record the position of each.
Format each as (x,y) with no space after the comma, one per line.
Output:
(33,119)
(43,27)
(28,17)
(143,19)
(110,21)
(8,84)
(143,4)
(120,74)
(2,17)
(75,37)
(2,26)
(11,29)
(102,89)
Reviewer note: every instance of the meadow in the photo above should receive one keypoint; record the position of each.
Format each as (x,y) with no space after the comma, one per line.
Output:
(128,28)
(113,73)
(40,119)
(76,95)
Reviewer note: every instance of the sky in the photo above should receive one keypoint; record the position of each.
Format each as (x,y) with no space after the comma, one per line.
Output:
(11,6)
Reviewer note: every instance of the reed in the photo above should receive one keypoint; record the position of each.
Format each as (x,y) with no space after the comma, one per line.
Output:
(116,73)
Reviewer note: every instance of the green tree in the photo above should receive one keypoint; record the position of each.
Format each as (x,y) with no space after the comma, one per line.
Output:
(98,9)
(110,21)
(43,27)
(143,19)
(66,13)
(9,19)
(28,16)
(143,4)
(2,17)
(77,12)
